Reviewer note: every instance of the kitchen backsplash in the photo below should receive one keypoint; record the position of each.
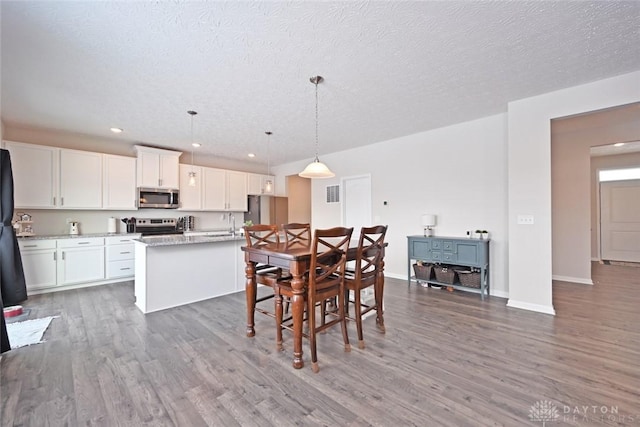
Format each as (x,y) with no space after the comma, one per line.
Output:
(54,222)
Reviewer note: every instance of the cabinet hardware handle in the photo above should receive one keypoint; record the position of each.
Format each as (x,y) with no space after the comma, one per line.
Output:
(125,240)
(30,246)
(122,253)
(55,257)
(83,243)
(54,201)
(63,255)
(61,201)
(125,268)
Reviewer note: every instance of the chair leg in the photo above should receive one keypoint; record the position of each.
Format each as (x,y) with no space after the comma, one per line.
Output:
(278,299)
(311,320)
(358,308)
(347,294)
(343,320)
(378,291)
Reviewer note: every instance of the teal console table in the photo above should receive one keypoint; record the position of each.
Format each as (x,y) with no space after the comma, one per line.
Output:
(455,251)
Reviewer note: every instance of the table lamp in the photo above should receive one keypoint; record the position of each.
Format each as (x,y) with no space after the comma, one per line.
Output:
(428,221)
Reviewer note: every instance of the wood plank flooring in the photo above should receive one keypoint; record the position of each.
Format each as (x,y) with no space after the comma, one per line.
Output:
(447,359)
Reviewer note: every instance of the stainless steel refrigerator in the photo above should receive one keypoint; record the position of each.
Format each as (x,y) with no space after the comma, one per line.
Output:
(267,210)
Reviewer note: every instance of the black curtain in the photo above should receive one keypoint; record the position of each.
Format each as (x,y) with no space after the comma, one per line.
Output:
(12,284)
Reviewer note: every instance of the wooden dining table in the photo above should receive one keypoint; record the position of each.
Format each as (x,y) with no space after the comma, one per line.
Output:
(296,258)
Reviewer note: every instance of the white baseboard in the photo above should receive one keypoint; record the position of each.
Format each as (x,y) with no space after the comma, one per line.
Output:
(572,279)
(546,309)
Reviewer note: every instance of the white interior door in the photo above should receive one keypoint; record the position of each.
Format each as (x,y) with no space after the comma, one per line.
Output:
(620,220)
(356,203)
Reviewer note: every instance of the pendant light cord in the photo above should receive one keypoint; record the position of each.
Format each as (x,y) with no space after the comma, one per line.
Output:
(316,83)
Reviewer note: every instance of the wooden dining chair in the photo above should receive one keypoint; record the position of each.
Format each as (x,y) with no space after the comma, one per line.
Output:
(368,267)
(297,234)
(323,281)
(266,275)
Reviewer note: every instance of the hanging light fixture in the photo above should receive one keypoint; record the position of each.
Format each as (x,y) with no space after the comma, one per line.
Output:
(192,174)
(316,169)
(268,185)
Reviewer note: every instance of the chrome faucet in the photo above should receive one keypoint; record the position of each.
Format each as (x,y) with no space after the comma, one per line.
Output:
(232,224)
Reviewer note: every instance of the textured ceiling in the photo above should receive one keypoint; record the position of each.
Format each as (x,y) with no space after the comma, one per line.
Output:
(391,68)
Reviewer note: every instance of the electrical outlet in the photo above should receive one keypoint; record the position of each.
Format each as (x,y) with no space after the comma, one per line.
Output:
(525,219)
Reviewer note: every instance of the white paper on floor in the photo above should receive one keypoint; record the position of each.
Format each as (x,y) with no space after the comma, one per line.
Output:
(28,332)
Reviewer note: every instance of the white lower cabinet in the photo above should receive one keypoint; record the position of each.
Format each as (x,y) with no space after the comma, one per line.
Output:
(39,262)
(56,264)
(120,257)
(80,260)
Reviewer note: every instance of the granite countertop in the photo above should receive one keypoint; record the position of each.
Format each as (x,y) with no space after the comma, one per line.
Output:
(176,239)
(75,236)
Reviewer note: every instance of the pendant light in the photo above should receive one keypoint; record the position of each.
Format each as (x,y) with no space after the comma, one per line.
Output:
(192,174)
(268,185)
(316,169)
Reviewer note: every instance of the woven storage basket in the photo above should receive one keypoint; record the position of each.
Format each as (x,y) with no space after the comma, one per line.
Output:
(468,278)
(444,274)
(423,272)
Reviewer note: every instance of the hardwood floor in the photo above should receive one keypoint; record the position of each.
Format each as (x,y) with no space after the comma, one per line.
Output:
(447,359)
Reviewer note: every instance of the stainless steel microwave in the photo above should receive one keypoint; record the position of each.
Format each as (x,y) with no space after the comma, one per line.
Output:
(158,198)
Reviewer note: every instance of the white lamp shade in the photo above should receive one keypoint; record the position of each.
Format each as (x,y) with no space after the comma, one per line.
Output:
(428,220)
(316,169)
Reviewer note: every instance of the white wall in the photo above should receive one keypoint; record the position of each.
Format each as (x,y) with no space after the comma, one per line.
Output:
(457,172)
(529,175)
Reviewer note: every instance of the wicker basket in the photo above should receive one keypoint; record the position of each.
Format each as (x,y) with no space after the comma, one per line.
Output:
(468,278)
(445,274)
(424,271)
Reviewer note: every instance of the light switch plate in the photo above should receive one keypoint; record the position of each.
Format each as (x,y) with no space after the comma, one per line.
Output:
(525,219)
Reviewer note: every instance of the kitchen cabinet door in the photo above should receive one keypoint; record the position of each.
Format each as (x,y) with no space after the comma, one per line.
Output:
(80,179)
(190,197)
(214,189)
(236,191)
(119,182)
(79,265)
(39,263)
(148,170)
(169,171)
(35,175)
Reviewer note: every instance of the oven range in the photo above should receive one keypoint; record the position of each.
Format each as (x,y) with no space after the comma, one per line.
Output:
(157,226)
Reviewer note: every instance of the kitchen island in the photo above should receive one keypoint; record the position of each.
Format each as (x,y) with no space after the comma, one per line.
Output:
(176,270)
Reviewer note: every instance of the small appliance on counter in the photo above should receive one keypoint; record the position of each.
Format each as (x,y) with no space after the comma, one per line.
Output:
(74,228)
(23,225)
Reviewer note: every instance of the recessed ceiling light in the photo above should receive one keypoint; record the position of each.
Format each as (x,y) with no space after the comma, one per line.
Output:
(618,144)
(196,144)
(251,155)
(116,130)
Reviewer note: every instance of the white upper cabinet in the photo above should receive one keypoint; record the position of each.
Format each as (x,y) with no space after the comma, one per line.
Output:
(119,182)
(236,191)
(214,189)
(190,197)
(80,179)
(224,190)
(158,168)
(258,185)
(35,175)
